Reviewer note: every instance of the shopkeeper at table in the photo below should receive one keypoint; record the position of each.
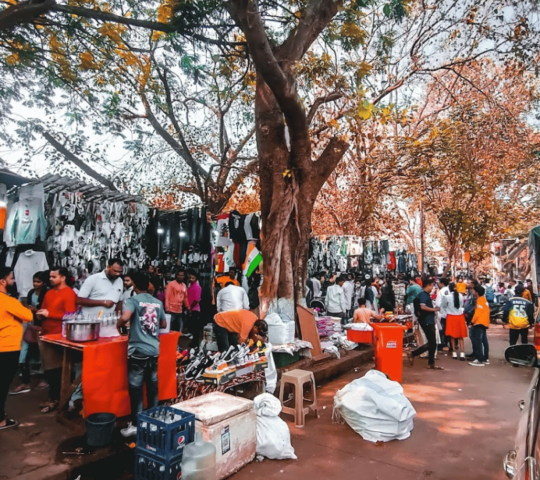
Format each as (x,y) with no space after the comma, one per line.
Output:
(58,301)
(103,291)
(238,326)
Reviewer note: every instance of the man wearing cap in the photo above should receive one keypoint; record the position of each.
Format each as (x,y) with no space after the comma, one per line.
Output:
(518,313)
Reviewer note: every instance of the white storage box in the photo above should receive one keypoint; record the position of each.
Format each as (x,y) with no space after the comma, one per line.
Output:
(230,423)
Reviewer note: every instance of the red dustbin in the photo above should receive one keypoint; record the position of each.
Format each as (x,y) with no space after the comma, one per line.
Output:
(388,341)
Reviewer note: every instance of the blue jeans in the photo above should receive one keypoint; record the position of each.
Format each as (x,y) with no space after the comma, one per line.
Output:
(142,371)
(478,335)
(177,322)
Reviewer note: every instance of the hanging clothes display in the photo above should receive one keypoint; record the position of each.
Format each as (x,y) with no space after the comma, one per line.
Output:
(26,222)
(28,264)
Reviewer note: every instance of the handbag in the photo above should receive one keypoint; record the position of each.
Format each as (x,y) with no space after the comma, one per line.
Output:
(32,334)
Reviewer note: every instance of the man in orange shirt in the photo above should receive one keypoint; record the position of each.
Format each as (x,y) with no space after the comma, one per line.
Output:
(58,301)
(12,314)
(229,277)
(478,329)
(236,327)
(176,299)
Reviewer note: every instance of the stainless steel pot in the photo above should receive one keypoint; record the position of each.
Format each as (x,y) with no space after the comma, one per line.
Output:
(82,331)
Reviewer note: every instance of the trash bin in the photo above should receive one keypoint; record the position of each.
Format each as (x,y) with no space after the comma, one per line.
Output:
(99,429)
(388,341)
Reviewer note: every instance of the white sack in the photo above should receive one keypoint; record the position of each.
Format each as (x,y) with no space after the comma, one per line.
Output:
(273,436)
(375,408)
(271,371)
(278,331)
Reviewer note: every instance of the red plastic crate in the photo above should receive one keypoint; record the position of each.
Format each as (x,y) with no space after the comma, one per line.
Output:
(360,337)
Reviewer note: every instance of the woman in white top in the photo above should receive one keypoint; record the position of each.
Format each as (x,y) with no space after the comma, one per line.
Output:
(456,327)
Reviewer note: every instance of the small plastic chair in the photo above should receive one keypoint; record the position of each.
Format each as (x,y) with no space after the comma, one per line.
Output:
(299,378)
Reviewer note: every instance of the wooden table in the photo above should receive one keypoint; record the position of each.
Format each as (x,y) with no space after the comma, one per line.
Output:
(105,387)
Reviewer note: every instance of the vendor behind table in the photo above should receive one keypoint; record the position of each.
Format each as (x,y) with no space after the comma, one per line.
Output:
(103,291)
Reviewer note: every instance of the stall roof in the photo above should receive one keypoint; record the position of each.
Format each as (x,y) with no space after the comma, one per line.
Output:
(11,179)
(57,183)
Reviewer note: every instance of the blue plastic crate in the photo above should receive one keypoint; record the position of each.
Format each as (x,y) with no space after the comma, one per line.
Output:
(166,440)
(153,467)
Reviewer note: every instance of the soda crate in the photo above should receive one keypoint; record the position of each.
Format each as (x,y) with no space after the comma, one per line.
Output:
(158,434)
(154,467)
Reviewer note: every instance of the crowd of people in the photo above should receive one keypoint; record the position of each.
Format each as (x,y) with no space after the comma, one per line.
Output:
(141,299)
(445,312)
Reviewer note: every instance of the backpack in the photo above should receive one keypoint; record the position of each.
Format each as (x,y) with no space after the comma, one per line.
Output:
(490,293)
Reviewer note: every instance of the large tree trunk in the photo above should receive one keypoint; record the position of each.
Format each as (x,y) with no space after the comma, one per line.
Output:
(288,195)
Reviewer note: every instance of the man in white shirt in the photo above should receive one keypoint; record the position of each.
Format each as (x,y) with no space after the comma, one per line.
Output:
(336,305)
(348,291)
(443,291)
(103,291)
(317,288)
(232,298)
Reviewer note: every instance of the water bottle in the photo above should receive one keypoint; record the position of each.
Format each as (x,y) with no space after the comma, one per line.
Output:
(199,461)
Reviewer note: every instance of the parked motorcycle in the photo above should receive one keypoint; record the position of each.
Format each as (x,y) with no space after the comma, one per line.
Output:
(496,309)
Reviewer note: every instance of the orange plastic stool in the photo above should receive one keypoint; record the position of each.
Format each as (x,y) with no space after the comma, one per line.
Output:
(388,341)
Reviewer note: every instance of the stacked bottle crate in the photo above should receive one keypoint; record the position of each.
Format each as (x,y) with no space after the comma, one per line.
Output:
(162,434)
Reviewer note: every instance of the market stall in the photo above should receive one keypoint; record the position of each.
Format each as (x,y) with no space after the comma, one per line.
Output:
(368,258)
(104,371)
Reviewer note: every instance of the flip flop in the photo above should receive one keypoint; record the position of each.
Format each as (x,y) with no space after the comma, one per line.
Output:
(9,423)
(50,407)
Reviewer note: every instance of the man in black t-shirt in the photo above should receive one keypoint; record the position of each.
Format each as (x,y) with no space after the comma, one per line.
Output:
(424,305)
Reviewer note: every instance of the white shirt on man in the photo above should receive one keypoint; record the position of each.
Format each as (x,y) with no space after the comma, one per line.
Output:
(99,287)
(316,287)
(348,291)
(335,299)
(232,298)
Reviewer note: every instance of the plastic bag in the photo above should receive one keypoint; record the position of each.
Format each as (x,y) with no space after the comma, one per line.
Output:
(375,408)
(278,331)
(273,436)
(270,372)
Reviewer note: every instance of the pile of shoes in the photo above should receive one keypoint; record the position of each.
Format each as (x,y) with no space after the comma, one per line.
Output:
(224,366)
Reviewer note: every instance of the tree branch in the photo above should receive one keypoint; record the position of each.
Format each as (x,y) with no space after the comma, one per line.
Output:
(313,21)
(28,11)
(330,157)
(79,163)
(320,101)
(181,149)
(23,12)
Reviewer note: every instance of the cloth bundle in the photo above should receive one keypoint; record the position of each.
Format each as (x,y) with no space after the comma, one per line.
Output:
(375,408)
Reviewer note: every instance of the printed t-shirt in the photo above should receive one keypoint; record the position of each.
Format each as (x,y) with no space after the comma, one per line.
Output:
(147,313)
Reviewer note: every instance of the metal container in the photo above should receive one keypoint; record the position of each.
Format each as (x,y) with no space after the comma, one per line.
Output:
(82,331)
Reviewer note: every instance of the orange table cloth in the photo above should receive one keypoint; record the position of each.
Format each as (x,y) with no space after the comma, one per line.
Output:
(105,376)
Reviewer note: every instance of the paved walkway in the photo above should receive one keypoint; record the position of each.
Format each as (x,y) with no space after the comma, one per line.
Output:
(467,420)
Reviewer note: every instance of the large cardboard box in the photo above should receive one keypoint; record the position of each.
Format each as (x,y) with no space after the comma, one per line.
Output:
(230,423)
